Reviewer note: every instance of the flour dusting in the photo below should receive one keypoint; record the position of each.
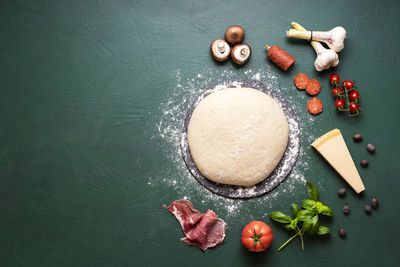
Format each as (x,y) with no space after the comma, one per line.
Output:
(169,127)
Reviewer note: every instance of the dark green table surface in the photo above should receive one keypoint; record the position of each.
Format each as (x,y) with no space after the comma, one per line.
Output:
(92,94)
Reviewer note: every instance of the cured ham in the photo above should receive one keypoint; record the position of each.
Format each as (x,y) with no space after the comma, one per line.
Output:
(201,230)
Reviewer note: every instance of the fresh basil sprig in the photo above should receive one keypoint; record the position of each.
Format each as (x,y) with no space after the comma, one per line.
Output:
(305,221)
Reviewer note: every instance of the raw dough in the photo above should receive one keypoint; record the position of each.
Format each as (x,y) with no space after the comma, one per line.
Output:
(237,136)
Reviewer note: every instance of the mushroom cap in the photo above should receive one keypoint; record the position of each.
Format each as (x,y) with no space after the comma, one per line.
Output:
(234,34)
(241,53)
(220,50)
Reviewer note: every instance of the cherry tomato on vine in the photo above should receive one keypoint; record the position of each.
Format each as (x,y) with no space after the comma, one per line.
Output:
(257,236)
(339,103)
(354,95)
(347,84)
(337,91)
(354,107)
(334,78)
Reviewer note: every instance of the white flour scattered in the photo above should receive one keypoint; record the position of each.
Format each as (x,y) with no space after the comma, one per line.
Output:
(178,177)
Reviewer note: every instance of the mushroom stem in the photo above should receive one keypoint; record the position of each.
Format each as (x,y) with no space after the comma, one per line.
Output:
(220,50)
(221,47)
(241,53)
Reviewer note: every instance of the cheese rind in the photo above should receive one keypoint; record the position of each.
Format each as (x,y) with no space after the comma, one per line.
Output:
(334,149)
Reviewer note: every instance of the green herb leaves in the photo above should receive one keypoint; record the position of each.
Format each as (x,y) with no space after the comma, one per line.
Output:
(305,221)
(305,215)
(309,204)
(280,217)
(295,209)
(323,230)
(326,211)
(312,191)
(317,207)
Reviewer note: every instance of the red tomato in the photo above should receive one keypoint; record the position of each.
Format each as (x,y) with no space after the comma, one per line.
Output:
(334,79)
(348,84)
(354,95)
(354,107)
(339,103)
(257,236)
(337,91)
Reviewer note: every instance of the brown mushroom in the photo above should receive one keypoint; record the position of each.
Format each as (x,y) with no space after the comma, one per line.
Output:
(234,34)
(241,53)
(220,50)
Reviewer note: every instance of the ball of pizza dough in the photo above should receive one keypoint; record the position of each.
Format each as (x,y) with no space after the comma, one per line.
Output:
(237,136)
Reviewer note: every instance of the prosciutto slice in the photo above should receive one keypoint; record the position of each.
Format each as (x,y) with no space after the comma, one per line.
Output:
(201,230)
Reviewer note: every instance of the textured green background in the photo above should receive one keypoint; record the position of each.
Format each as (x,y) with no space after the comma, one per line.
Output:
(81,86)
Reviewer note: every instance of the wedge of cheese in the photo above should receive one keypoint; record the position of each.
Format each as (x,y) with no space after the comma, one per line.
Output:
(333,148)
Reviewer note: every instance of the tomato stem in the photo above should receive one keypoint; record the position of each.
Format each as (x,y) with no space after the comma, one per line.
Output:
(257,239)
(347,97)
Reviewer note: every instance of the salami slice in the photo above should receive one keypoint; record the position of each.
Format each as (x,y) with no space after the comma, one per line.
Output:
(301,81)
(313,87)
(314,106)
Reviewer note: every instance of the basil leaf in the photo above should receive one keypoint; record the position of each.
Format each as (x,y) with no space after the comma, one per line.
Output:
(311,224)
(296,209)
(306,225)
(319,206)
(327,211)
(292,225)
(323,230)
(280,217)
(312,191)
(309,204)
(305,215)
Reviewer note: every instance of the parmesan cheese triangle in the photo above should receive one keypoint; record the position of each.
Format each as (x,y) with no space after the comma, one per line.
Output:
(333,148)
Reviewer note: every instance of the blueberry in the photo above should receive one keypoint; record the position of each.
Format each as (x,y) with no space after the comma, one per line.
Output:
(371,148)
(364,163)
(357,138)
(342,233)
(367,209)
(374,203)
(346,209)
(341,192)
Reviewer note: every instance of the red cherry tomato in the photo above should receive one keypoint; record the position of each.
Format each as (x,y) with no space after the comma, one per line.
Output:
(339,103)
(354,95)
(257,236)
(348,84)
(354,107)
(337,91)
(334,79)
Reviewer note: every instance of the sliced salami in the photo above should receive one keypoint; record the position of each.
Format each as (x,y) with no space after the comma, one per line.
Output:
(301,81)
(314,106)
(313,87)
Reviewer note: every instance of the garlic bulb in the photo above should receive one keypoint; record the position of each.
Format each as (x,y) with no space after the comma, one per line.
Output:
(326,58)
(333,38)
